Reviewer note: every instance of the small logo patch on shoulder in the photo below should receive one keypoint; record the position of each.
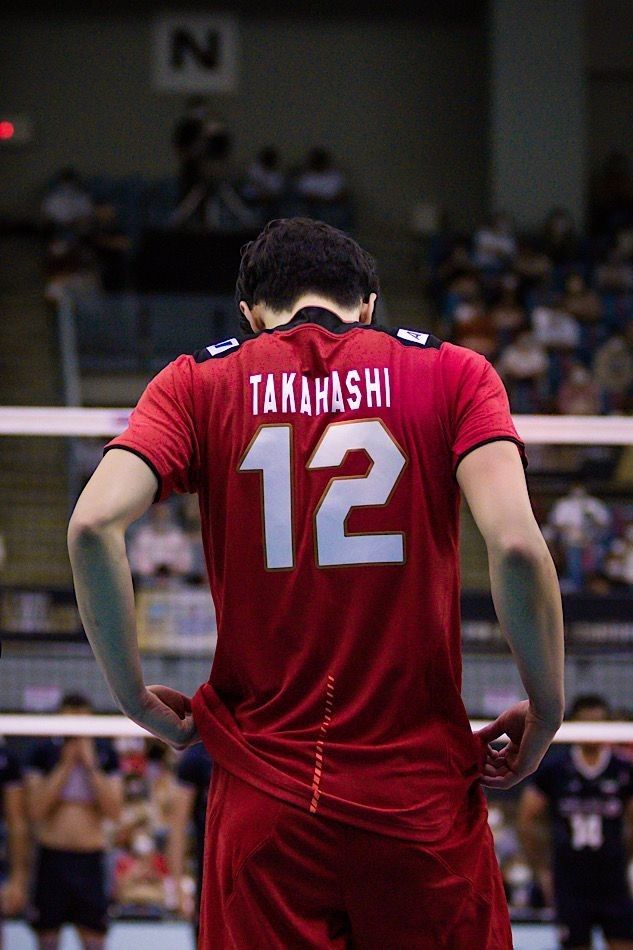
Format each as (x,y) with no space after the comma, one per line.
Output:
(218,349)
(413,336)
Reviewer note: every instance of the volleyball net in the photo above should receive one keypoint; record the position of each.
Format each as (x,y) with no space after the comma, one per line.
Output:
(73,424)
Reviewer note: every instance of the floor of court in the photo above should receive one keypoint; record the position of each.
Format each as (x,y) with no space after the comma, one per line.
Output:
(178,936)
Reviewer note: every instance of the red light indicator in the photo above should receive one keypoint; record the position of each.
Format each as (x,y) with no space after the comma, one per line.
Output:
(7,130)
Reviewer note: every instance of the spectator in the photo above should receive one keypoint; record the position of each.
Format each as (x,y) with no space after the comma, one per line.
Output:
(322,191)
(522,366)
(555,327)
(578,394)
(264,184)
(67,209)
(507,314)
(615,274)
(619,559)
(13,883)
(141,875)
(586,790)
(613,372)
(495,245)
(196,133)
(211,201)
(160,549)
(73,786)
(473,328)
(190,802)
(579,522)
(580,301)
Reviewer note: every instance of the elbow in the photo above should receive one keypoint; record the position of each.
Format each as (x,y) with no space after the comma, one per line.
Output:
(86,528)
(522,550)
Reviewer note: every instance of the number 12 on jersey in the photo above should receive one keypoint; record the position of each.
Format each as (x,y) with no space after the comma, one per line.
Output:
(270,452)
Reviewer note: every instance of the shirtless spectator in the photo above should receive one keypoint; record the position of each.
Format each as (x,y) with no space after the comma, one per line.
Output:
(13,889)
(73,787)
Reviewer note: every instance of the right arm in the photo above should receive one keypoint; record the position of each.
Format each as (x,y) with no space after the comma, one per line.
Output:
(527,601)
(533,806)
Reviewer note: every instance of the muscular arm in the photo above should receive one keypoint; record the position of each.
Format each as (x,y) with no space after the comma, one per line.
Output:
(527,602)
(120,491)
(523,578)
(17,835)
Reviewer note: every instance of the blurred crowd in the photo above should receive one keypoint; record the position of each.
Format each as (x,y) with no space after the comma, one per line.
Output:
(97,829)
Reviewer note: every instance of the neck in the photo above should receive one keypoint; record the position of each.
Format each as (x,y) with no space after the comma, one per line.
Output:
(273,319)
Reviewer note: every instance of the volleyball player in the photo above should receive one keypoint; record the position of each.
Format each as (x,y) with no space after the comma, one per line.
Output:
(587,792)
(328,455)
(13,886)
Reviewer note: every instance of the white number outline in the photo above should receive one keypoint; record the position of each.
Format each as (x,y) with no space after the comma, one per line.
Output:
(262,504)
(334,478)
(338,478)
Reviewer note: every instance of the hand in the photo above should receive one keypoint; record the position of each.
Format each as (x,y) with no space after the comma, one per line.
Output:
(166,713)
(12,898)
(69,754)
(86,754)
(529,739)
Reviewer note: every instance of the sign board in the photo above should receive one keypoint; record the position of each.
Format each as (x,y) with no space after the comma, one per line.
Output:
(176,621)
(195,54)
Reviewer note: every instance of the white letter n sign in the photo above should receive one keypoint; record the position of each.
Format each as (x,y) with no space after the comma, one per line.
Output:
(195,53)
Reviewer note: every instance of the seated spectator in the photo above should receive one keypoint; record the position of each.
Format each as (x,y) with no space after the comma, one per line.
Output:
(264,183)
(141,874)
(615,274)
(579,522)
(523,366)
(474,328)
(532,266)
(73,787)
(578,394)
(67,210)
(15,861)
(613,372)
(580,301)
(555,327)
(619,559)
(159,549)
(507,315)
(495,245)
(321,190)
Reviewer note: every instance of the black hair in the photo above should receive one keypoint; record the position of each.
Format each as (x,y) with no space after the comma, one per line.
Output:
(75,701)
(294,256)
(588,701)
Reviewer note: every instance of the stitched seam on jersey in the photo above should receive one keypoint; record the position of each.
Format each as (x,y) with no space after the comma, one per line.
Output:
(318,755)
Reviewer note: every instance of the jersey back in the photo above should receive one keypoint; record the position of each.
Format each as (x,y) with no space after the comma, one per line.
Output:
(324,456)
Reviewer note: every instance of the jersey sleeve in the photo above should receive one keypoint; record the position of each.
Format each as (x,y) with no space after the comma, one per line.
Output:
(477,402)
(161,430)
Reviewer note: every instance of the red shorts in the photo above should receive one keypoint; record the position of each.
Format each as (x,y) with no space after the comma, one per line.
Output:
(277,878)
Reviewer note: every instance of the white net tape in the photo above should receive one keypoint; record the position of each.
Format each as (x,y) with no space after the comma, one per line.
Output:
(120,727)
(535,430)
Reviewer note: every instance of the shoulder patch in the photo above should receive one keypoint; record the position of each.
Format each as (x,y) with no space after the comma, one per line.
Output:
(217,349)
(416,338)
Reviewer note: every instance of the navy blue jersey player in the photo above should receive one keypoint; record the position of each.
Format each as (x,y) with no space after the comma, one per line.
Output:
(588,792)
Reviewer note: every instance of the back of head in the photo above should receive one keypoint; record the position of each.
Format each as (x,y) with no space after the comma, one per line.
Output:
(295,256)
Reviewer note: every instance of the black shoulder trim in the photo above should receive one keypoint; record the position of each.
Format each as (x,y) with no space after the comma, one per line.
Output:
(407,336)
(495,438)
(143,458)
(218,350)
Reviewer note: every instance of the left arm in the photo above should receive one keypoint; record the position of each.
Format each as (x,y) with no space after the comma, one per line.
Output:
(14,894)
(120,491)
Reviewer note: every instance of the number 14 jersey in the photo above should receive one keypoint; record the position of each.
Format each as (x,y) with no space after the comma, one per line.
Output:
(324,457)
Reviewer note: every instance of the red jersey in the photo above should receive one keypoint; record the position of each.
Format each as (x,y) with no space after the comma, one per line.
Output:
(324,457)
